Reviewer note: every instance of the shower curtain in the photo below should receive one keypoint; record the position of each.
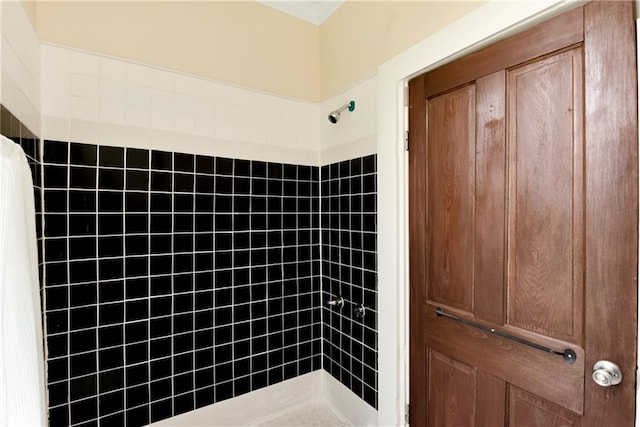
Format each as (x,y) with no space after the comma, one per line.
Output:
(22,388)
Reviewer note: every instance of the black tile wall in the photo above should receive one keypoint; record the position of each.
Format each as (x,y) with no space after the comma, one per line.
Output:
(349,271)
(174,281)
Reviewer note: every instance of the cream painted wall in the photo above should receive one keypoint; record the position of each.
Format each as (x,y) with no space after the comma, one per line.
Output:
(19,65)
(361,35)
(238,42)
(244,43)
(30,8)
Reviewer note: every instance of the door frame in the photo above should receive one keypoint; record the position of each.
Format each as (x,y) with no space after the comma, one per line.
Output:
(486,25)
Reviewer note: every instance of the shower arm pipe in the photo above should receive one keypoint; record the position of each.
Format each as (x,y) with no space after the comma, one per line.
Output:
(334,116)
(351,105)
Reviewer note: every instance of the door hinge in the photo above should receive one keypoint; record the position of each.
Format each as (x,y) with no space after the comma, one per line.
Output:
(406,140)
(407,411)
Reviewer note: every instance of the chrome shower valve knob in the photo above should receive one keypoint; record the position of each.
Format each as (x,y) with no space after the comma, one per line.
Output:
(359,312)
(336,302)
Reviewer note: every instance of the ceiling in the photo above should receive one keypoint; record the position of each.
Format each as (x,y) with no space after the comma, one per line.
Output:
(314,11)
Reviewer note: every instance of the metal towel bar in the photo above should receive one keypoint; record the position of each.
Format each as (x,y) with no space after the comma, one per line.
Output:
(568,354)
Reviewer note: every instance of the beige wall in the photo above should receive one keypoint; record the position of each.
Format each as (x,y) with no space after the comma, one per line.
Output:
(30,10)
(361,35)
(245,43)
(238,42)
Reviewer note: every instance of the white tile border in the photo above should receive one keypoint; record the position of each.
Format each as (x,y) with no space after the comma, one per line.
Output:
(100,94)
(350,150)
(355,134)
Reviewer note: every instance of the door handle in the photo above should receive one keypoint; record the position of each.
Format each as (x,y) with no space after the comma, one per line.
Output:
(606,373)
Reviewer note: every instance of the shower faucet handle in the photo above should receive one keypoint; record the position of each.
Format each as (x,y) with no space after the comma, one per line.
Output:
(336,302)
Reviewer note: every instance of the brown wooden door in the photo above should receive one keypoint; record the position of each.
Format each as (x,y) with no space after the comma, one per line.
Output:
(523,219)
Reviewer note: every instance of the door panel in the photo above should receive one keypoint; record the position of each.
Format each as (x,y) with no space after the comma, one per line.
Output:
(523,209)
(452,391)
(546,187)
(528,410)
(490,197)
(451,177)
(461,395)
(543,374)
(491,402)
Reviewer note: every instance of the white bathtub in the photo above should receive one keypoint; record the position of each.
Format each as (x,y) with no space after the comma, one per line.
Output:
(265,404)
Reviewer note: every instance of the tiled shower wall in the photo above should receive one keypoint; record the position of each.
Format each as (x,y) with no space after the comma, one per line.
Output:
(148,310)
(349,271)
(174,281)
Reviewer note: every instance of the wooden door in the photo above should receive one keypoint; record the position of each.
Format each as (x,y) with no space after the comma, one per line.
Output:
(523,224)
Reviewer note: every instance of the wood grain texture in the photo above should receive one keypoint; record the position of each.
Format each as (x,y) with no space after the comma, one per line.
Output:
(527,410)
(569,235)
(417,250)
(452,392)
(611,134)
(450,202)
(491,400)
(489,253)
(549,36)
(543,374)
(546,187)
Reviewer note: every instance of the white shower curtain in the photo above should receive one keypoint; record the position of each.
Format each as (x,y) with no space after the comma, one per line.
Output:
(22,388)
